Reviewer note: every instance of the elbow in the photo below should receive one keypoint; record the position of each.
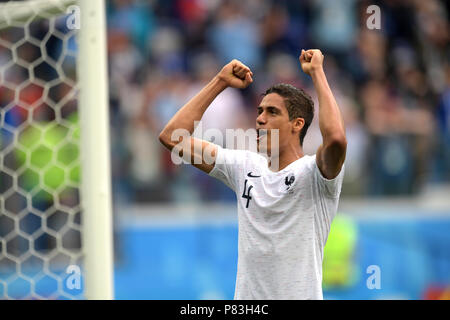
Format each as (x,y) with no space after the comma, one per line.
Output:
(164,139)
(170,138)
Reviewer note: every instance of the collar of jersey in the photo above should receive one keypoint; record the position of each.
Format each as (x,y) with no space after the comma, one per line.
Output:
(289,166)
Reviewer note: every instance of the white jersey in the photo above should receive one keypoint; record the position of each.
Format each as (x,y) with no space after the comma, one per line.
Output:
(284,219)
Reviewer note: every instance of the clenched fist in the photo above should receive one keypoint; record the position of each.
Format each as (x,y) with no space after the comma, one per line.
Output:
(236,75)
(311,60)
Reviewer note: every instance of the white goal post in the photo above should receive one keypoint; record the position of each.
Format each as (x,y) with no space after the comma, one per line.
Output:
(93,109)
(95,146)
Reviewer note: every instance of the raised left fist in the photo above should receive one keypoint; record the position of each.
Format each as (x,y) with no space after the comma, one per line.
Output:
(311,60)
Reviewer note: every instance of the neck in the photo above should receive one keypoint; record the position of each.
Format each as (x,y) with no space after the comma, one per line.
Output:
(285,157)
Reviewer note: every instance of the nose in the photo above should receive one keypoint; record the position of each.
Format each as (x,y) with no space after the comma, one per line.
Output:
(260,120)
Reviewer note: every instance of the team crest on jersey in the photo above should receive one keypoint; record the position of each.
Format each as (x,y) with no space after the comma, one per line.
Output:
(288,181)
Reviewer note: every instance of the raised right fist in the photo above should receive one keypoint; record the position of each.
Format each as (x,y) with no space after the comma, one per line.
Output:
(236,75)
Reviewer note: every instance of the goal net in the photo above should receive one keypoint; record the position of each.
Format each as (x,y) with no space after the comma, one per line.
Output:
(44,155)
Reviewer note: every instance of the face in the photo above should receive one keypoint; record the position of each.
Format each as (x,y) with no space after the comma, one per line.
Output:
(272,114)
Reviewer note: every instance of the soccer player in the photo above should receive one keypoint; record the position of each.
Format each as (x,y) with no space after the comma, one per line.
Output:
(284,214)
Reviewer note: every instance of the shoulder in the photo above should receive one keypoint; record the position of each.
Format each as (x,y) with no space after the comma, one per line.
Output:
(329,187)
(309,163)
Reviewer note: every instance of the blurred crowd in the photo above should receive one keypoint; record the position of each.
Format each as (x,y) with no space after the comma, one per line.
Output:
(392,85)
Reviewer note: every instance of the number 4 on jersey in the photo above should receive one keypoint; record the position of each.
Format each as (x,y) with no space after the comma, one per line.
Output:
(247,196)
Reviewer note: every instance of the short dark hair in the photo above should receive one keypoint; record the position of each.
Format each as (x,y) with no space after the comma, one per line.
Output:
(298,104)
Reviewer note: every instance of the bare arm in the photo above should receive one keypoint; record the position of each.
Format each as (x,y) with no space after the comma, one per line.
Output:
(330,155)
(234,74)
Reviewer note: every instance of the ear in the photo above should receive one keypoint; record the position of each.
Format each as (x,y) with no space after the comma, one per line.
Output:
(298,124)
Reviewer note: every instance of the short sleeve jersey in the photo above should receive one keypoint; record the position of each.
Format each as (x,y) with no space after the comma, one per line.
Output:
(284,219)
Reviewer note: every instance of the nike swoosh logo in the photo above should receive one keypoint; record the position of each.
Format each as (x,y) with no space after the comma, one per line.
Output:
(252,176)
